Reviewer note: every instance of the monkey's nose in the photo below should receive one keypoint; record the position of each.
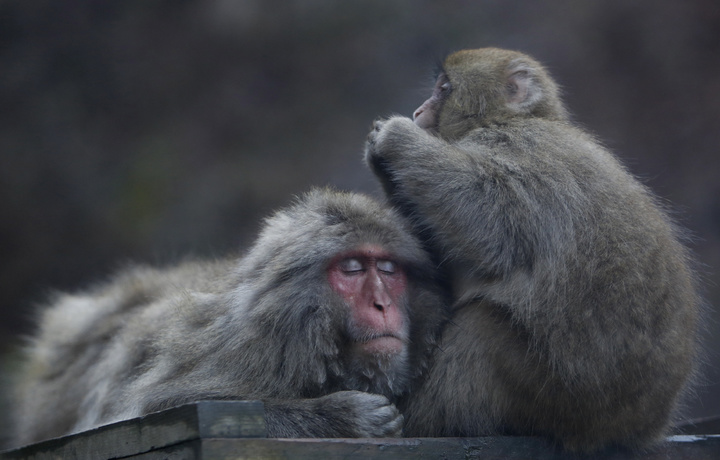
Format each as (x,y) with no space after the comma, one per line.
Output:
(417,113)
(381,299)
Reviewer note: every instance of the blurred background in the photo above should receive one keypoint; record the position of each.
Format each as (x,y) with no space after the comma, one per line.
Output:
(150,131)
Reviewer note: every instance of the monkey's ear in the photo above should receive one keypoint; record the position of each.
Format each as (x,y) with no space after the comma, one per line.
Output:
(523,86)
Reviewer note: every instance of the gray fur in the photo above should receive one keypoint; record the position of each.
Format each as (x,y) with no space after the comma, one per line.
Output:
(266,326)
(576,310)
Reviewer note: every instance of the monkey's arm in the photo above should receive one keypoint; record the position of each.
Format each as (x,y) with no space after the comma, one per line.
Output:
(345,414)
(473,203)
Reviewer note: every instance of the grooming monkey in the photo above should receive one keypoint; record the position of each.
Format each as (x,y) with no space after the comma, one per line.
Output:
(329,318)
(575,308)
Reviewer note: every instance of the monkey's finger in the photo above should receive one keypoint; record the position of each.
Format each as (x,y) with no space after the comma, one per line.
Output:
(395,426)
(378,402)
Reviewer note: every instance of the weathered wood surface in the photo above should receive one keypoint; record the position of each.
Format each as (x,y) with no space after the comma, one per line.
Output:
(496,447)
(205,419)
(226,430)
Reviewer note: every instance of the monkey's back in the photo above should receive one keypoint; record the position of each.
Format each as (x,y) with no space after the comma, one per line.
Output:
(89,344)
(591,338)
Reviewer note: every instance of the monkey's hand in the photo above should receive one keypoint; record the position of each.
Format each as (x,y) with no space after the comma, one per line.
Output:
(389,138)
(345,414)
(364,415)
(390,144)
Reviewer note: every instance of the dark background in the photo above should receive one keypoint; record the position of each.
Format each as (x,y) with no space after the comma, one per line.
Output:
(150,130)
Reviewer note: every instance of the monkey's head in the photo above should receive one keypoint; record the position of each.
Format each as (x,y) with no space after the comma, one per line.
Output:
(487,86)
(344,284)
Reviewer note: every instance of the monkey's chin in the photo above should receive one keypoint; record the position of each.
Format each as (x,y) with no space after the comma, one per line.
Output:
(383,346)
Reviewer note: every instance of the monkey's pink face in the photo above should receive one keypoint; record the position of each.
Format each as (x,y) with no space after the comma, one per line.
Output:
(374,287)
(426,116)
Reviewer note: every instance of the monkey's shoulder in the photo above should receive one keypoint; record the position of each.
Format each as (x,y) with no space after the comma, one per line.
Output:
(543,143)
(524,130)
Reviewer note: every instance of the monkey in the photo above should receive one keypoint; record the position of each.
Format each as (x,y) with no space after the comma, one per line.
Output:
(574,299)
(329,319)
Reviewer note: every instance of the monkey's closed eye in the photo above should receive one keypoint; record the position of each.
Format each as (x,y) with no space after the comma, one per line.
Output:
(442,86)
(386,266)
(351,266)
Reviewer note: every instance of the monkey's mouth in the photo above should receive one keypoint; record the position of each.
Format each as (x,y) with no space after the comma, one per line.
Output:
(381,344)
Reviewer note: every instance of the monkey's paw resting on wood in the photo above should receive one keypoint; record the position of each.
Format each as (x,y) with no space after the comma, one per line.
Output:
(329,319)
(575,306)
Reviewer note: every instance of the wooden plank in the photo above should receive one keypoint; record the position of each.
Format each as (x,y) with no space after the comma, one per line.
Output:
(499,447)
(223,430)
(231,419)
(190,450)
(225,419)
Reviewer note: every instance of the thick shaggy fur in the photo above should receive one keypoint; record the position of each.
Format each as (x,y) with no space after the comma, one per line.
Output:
(576,310)
(266,326)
